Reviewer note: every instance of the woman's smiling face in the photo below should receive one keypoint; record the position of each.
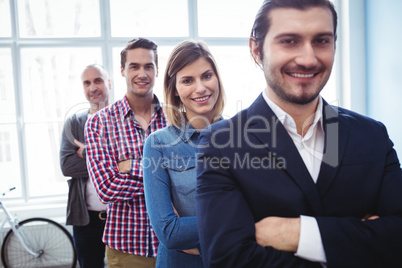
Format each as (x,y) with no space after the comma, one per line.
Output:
(198,88)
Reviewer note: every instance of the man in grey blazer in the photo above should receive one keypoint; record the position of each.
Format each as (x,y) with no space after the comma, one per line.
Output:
(292,181)
(85,211)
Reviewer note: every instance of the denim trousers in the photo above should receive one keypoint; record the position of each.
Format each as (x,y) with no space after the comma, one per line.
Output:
(88,242)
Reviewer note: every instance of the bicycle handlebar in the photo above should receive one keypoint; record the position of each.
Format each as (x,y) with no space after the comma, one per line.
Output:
(9,190)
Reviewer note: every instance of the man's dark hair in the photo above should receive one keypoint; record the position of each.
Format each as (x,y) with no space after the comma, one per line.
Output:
(262,21)
(138,43)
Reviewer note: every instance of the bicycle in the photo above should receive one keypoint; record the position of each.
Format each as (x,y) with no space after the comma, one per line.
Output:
(36,242)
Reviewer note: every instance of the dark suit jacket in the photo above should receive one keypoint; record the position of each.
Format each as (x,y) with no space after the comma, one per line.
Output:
(250,169)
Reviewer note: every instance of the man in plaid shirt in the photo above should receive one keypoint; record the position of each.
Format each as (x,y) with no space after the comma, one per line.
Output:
(114,138)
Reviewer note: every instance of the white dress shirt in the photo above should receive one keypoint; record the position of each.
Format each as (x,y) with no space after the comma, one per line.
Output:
(311,148)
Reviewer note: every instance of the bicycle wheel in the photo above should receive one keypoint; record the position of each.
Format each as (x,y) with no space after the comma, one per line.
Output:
(52,240)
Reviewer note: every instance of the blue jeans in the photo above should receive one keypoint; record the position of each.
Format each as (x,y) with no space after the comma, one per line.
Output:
(88,242)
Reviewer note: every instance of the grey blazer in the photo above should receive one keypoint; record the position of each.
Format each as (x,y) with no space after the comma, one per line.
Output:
(76,168)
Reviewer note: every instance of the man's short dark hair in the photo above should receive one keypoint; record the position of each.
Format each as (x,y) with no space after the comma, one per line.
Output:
(138,43)
(262,22)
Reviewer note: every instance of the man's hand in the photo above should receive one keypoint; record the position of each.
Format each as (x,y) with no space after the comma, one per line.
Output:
(279,233)
(193,251)
(370,217)
(81,148)
(125,166)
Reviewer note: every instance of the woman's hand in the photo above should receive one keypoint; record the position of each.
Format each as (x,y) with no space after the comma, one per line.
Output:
(193,251)
(175,211)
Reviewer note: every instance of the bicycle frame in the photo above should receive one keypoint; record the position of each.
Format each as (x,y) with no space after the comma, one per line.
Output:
(13,222)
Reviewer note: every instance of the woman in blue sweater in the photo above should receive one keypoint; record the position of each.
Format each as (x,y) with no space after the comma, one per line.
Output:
(194,99)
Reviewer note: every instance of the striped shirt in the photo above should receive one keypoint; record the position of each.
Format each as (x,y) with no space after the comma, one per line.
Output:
(113,135)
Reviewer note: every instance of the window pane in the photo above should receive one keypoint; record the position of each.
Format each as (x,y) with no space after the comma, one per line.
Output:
(5,22)
(9,159)
(51,83)
(44,174)
(7,100)
(242,79)
(59,18)
(119,82)
(149,18)
(235,17)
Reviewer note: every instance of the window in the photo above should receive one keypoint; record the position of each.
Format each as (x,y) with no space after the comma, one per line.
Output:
(51,87)
(5,21)
(5,150)
(7,99)
(53,19)
(46,44)
(152,18)
(9,158)
(235,17)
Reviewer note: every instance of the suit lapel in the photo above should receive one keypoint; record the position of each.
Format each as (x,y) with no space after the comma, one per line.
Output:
(280,144)
(334,149)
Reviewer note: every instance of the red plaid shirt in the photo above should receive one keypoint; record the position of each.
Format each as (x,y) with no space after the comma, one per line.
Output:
(112,135)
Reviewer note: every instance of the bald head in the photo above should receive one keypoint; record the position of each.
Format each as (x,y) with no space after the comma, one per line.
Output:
(96,82)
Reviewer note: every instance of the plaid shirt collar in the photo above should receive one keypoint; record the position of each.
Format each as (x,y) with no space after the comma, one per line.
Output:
(128,111)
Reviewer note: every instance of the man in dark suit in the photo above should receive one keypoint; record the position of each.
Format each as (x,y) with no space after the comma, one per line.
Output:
(292,181)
